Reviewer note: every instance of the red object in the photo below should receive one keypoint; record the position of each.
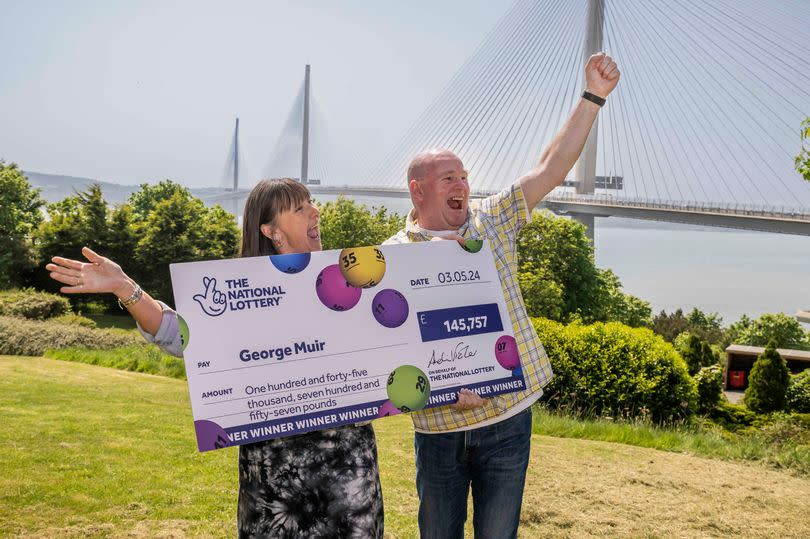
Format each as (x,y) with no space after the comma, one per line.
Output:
(736,378)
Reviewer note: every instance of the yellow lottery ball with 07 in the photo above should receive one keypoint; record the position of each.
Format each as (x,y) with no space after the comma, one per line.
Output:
(362,267)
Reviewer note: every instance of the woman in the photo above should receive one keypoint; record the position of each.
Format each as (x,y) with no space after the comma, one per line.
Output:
(321,484)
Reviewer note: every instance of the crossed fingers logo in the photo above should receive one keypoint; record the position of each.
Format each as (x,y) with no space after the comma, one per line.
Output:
(212,301)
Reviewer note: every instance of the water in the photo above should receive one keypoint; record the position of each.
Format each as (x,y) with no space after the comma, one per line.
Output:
(675,266)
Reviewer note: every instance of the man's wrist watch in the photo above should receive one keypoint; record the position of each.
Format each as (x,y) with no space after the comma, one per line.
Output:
(593,98)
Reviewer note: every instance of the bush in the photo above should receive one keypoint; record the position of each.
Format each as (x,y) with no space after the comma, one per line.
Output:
(148,359)
(767,385)
(798,393)
(74,320)
(612,369)
(19,337)
(709,382)
(30,303)
(732,416)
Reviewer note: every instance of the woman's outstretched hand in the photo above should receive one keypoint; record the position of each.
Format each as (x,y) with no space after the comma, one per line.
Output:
(98,275)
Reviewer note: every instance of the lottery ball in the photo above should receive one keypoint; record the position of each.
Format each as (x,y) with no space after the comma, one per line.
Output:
(334,291)
(473,246)
(408,388)
(363,267)
(387,409)
(210,435)
(518,372)
(291,263)
(390,308)
(506,352)
(184,334)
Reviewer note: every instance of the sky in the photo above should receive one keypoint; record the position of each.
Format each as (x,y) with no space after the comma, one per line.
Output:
(127,92)
(708,107)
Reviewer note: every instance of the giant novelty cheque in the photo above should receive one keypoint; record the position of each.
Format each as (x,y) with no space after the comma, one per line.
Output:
(282,345)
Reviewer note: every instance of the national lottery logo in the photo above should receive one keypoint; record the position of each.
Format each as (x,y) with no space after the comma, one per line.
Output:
(239,295)
(212,301)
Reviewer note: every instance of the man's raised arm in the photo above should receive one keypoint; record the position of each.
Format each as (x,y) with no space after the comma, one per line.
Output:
(601,77)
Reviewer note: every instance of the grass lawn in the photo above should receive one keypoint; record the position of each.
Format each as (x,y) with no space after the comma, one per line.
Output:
(121,321)
(96,452)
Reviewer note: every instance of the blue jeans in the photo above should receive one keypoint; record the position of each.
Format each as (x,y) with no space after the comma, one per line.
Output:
(492,459)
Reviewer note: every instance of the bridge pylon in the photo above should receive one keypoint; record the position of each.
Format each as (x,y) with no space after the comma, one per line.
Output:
(585,169)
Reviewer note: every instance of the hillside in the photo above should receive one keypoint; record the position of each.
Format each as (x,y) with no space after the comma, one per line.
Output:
(56,187)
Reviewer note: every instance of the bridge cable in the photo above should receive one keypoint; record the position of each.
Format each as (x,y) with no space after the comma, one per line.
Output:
(498,84)
(742,137)
(637,45)
(713,109)
(496,178)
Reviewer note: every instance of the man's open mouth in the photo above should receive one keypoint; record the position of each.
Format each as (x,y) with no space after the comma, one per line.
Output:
(455,203)
(314,232)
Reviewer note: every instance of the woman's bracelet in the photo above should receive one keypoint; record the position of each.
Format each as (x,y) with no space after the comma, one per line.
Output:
(133,299)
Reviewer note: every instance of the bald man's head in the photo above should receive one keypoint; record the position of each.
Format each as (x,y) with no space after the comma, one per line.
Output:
(421,165)
(439,190)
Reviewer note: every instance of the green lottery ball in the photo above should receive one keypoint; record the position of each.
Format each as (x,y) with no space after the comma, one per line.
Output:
(408,388)
(184,335)
(473,246)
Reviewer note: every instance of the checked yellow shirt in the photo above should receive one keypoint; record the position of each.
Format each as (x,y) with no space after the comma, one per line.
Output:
(498,218)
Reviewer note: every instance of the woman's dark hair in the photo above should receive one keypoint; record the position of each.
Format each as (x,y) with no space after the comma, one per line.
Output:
(264,203)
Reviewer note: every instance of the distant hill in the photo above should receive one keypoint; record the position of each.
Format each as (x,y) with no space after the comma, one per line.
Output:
(56,187)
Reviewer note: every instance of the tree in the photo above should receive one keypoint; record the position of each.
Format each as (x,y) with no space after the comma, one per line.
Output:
(542,296)
(768,382)
(785,331)
(697,353)
(346,223)
(72,223)
(562,249)
(669,326)
(802,159)
(147,197)
(181,229)
(555,256)
(706,326)
(20,215)
(616,306)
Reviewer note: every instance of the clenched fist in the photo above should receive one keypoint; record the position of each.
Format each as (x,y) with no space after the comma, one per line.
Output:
(601,74)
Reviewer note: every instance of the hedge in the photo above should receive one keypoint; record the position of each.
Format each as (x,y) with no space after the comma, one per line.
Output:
(22,337)
(615,370)
(33,304)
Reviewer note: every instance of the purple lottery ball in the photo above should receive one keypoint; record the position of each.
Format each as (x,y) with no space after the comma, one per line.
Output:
(387,409)
(506,352)
(334,291)
(390,308)
(210,435)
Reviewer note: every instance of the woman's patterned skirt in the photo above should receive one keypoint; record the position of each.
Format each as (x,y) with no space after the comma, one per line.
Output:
(321,484)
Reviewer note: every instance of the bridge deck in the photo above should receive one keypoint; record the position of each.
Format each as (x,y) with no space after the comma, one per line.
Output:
(765,219)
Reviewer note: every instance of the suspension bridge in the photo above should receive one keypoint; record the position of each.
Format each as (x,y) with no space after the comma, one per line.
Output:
(702,129)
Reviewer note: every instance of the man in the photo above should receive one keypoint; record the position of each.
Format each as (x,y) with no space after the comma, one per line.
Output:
(477,442)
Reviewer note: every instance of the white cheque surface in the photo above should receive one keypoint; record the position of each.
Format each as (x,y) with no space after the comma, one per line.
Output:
(277,346)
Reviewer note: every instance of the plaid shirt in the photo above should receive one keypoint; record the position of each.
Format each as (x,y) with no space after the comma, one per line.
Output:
(498,218)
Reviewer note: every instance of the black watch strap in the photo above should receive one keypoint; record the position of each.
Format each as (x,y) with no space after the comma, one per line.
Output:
(593,98)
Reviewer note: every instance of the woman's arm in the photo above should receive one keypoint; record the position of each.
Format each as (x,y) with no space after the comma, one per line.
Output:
(102,275)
